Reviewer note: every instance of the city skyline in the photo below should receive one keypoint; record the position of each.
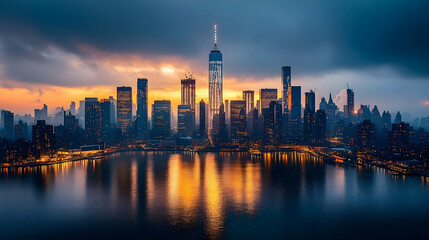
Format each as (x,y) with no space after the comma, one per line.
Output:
(54,66)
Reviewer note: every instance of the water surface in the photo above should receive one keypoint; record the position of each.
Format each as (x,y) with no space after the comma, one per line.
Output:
(160,195)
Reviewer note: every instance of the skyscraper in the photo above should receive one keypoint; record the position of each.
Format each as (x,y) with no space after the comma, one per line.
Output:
(124,108)
(310,101)
(238,121)
(215,80)
(249,97)
(21,130)
(142,109)
(202,132)
(266,96)
(41,114)
(295,103)
(350,109)
(273,122)
(365,135)
(286,83)
(320,129)
(161,119)
(92,121)
(188,92)
(43,137)
(105,120)
(7,121)
(184,121)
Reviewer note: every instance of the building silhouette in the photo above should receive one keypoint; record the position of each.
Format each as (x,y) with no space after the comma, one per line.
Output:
(238,121)
(7,124)
(286,84)
(161,119)
(365,135)
(202,115)
(92,121)
(185,121)
(21,130)
(142,109)
(43,137)
(266,96)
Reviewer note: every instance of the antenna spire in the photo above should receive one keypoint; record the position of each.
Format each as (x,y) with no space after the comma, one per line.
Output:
(215,34)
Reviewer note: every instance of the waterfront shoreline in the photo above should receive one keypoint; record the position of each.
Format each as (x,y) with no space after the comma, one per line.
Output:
(326,158)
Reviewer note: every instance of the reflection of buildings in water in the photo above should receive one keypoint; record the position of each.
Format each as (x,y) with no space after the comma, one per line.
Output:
(134,194)
(335,184)
(183,188)
(155,185)
(213,198)
(241,184)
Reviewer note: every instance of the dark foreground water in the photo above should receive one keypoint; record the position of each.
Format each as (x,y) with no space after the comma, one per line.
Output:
(211,195)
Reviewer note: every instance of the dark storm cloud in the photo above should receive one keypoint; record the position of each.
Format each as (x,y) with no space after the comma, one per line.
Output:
(257,37)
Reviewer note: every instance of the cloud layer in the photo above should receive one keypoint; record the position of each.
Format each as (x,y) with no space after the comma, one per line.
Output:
(73,43)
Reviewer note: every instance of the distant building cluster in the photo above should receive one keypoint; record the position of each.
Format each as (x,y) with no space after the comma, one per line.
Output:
(273,120)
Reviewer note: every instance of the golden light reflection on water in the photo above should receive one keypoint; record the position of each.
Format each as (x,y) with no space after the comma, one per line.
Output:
(186,188)
(183,188)
(213,197)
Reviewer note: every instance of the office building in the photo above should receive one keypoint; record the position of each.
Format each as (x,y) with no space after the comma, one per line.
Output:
(43,137)
(21,130)
(142,109)
(7,124)
(161,119)
(202,127)
(185,121)
(92,121)
(124,109)
(238,121)
(266,96)
(286,84)
(295,102)
(310,101)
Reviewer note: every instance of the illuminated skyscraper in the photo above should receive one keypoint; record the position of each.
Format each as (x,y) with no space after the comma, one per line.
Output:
(188,92)
(215,80)
(286,83)
(124,108)
(142,109)
(238,121)
(249,97)
(266,96)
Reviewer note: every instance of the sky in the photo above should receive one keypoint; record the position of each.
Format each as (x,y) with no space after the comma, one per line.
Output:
(55,52)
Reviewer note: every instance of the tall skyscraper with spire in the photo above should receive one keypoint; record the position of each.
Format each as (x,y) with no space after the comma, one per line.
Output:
(215,80)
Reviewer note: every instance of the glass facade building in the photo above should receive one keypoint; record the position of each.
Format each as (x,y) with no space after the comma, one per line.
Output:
(266,96)
(142,109)
(124,108)
(215,81)
(286,84)
(161,119)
